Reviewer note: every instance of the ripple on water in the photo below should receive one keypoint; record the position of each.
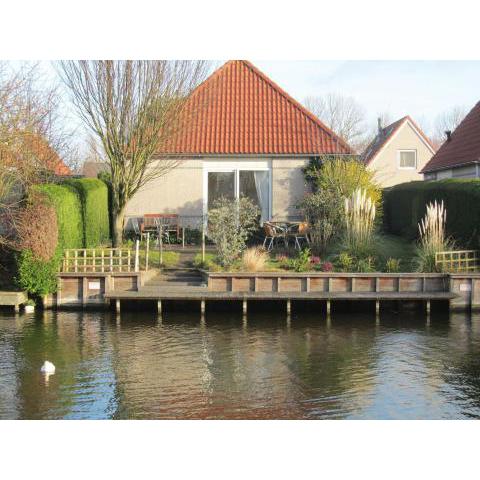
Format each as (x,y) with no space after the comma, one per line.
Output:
(228,369)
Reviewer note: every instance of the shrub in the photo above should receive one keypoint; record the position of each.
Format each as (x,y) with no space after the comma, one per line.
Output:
(365,265)
(405,205)
(359,222)
(342,176)
(66,201)
(323,211)
(301,262)
(254,259)
(36,227)
(392,265)
(432,237)
(327,267)
(94,199)
(230,223)
(345,262)
(37,276)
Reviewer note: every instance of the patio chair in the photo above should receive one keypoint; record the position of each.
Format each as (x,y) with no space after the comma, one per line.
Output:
(299,232)
(273,232)
(162,229)
(137,230)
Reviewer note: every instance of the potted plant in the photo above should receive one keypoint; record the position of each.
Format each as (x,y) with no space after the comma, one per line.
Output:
(29,306)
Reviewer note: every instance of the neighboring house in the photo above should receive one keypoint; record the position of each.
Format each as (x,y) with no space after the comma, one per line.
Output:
(91,169)
(459,156)
(246,137)
(398,153)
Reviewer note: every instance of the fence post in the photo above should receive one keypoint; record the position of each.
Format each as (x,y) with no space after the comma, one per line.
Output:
(137,251)
(203,239)
(147,248)
(160,240)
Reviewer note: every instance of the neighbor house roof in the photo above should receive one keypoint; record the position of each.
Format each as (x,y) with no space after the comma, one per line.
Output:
(462,148)
(34,147)
(238,110)
(387,133)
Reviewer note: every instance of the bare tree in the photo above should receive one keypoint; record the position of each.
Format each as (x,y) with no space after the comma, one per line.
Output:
(447,121)
(132,107)
(341,114)
(32,138)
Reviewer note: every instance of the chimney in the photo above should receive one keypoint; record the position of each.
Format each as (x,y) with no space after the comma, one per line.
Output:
(448,133)
(380,128)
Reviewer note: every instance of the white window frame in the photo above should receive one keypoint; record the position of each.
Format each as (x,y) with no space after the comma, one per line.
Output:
(406,150)
(236,167)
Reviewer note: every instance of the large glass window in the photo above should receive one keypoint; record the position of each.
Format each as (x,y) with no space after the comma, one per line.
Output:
(408,158)
(220,184)
(254,184)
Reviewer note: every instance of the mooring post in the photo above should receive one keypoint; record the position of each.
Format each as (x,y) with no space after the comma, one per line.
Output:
(202,307)
(289,307)
(159,307)
(427,308)
(377,308)
(117,305)
(244,306)
(329,308)
(16,308)
(137,255)
(147,250)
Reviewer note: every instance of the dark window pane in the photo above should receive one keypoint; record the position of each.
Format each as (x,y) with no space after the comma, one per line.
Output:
(220,184)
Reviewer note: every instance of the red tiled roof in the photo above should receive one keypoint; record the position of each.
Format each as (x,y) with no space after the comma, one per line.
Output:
(37,148)
(387,132)
(463,147)
(239,111)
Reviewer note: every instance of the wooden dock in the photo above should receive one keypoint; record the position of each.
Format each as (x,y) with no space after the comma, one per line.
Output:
(13,299)
(459,291)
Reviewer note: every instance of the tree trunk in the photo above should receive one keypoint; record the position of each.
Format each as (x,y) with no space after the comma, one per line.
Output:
(117,234)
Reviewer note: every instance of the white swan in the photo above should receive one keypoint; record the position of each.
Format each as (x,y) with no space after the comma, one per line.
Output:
(48,367)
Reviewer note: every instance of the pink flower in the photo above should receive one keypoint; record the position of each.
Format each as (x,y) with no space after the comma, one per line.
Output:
(282,258)
(327,267)
(315,260)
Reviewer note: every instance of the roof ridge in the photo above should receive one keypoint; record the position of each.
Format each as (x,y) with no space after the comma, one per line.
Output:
(293,101)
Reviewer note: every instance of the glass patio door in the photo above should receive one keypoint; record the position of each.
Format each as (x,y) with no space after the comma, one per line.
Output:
(220,184)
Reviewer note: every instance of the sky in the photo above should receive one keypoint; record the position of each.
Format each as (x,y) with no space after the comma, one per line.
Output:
(421,89)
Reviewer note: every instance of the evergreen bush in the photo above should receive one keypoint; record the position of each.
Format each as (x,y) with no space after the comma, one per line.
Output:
(94,199)
(406,204)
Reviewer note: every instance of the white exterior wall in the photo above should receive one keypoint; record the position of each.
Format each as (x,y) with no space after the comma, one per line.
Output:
(386,163)
(182,190)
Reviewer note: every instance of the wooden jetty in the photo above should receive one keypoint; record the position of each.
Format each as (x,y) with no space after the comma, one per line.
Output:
(91,289)
(13,299)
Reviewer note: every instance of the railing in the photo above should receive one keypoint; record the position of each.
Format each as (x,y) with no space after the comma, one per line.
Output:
(100,260)
(457,261)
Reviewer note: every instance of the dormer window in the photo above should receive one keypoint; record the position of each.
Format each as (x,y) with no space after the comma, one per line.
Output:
(407,159)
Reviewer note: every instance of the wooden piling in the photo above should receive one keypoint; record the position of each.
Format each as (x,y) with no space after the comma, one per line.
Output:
(117,305)
(159,307)
(289,306)
(202,307)
(244,306)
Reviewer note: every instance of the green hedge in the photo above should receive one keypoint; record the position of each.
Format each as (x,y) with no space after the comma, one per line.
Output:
(68,206)
(405,205)
(94,197)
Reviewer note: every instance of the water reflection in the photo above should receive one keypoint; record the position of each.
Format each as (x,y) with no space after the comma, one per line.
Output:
(229,367)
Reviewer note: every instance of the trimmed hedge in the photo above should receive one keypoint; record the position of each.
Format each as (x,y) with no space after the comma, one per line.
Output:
(68,207)
(94,197)
(405,205)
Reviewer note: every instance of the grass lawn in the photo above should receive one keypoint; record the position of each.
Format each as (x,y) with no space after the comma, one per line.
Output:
(170,259)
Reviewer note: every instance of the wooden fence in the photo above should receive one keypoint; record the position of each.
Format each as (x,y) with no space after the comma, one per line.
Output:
(100,260)
(457,261)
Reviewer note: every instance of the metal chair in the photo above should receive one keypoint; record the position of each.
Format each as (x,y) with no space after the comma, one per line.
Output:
(299,231)
(162,229)
(137,230)
(273,232)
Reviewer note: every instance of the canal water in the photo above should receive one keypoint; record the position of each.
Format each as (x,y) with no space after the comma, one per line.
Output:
(225,368)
